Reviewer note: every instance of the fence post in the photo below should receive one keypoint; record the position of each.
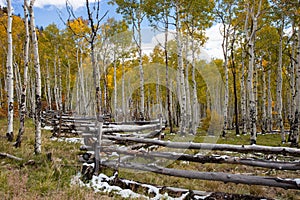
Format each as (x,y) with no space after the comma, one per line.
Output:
(160,126)
(97,145)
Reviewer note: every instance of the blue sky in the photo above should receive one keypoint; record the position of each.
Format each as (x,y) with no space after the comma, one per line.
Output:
(47,12)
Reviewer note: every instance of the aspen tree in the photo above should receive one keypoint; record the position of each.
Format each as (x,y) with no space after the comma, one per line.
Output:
(10,75)
(22,106)
(38,84)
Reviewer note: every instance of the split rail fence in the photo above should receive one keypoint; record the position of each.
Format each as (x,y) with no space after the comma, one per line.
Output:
(116,145)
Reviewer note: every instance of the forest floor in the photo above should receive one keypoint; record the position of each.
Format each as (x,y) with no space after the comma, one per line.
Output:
(37,177)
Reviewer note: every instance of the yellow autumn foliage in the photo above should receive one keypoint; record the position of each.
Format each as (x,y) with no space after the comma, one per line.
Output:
(79,26)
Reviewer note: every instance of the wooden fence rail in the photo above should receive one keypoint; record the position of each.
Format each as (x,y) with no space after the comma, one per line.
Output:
(285,183)
(105,137)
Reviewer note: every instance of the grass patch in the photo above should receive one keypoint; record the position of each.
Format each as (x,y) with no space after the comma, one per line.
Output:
(51,179)
(45,179)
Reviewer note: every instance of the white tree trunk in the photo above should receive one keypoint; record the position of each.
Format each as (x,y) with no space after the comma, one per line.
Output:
(252,103)
(10,75)
(142,103)
(55,89)
(60,103)
(68,84)
(22,108)
(250,85)
(269,108)
(264,99)
(243,87)
(38,89)
(297,99)
(183,114)
(279,87)
(195,97)
(225,45)
(187,88)
(116,109)
(124,107)
(49,96)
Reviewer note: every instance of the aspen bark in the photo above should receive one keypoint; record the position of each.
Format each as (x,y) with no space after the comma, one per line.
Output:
(22,104)
(195,107)
(295,138)
(243,87)
(166,35)
(18,81)
(94,25)
(10,75)
(251,93)
(55,89)
(49,96)
(116,109)
(187,88)
(142,103)
(38,89)
(124,108)
(252,104)
(269,108)
(264,99)
(183,113)
(225,44)
(279,86)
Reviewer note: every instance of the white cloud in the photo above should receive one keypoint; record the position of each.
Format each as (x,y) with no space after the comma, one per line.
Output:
(211,49)
(59,3)
(213,46)
(2,3)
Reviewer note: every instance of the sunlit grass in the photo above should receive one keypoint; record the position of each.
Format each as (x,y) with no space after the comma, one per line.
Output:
(44,179)
(47,179)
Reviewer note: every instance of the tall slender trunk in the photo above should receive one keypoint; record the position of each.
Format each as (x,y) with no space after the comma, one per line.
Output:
(236,113)
(269,108)
(115,88)
(295,141)
(250,84)
(225,44)
(10,75)
(252,101)
(142,103)
(38,89)
(243,87)
(170,119)
(96,78)
(49,97)
(279,86)
(264,99)
(195,97)
(22,104)
(183,113)
(18,81)
(68,84)
(124,110)
(187,88)
(55,91)
(82,92)
(60,102)
(243,99)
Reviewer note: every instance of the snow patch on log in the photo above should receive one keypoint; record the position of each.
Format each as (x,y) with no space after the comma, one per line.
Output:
(69,140)
(100,183)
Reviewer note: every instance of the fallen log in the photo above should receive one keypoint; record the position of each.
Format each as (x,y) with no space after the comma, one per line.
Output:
(6,155)
(212,176)
(118,128)
(208,146)
(155,191)
(208,159)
